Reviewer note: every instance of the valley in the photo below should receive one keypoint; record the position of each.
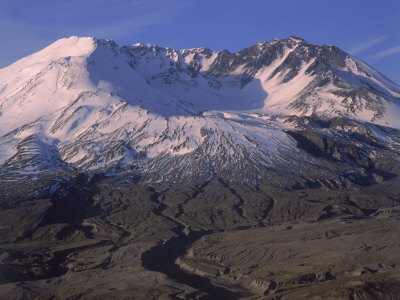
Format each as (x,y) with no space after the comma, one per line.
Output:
(130,239)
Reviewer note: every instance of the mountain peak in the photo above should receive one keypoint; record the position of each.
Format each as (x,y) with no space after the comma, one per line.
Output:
(72,46)
(286,76)
(93,104)
(296,39)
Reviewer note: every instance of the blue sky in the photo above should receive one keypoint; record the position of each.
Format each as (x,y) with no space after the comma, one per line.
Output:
(368,29)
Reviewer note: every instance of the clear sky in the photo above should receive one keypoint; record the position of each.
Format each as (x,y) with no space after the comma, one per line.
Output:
(368,29)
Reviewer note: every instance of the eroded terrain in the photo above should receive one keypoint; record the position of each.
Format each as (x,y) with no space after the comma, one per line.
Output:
(97,238)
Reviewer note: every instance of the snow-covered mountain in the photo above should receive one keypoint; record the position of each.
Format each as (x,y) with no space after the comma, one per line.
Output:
(164,115)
